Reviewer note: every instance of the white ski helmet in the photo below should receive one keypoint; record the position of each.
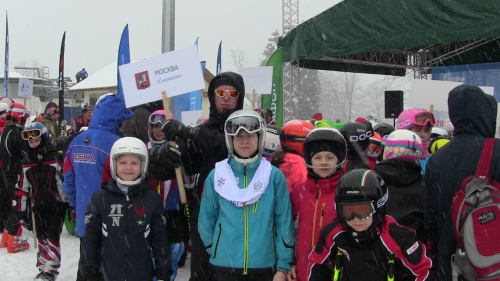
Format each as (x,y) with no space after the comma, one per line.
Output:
(129,145)
(251,122)
(3,109)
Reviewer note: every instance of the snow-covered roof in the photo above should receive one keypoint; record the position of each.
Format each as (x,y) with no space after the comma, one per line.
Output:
(13,74)
(104,78)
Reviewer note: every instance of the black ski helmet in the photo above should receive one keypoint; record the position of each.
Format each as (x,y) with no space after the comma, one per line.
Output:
(383,129)
(321,139)
(362,186)
(356,132)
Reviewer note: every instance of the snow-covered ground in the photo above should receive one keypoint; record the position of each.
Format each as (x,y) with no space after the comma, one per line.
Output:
(21,266)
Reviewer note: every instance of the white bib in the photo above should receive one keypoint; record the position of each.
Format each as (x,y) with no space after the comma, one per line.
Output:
(226,184)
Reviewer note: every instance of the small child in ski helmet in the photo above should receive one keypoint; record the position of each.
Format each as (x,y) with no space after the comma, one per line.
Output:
(420,122)
(40,190)
(401,171)
(169,193)
(364,243)
(126,214)
(246,187)
(325,153)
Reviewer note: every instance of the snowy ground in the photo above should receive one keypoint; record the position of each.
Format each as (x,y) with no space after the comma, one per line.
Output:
(21,266)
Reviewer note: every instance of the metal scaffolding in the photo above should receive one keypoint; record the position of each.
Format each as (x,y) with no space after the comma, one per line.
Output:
(291,79)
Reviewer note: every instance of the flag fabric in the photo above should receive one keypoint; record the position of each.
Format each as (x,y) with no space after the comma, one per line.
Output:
(123,56)
(275,100)
(61,79)
(188,101)
(219,63)
(6,69)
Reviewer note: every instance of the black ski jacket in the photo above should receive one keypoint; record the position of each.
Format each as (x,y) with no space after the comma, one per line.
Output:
(473,113)
(121,231)
(405,184)
(12,149)
(365,254)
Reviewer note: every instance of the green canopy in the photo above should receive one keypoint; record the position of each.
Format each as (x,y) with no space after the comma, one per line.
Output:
(388,36)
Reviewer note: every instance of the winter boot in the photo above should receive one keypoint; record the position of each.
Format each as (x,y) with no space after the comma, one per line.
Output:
(5,239)
(16,243)
(45,276)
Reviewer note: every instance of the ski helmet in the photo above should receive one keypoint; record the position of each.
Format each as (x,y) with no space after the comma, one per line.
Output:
(293,134)
(438,132)
(361,186)
(17,112)
(251,122)
(133,146)
(408,118)
(272,141)
(3,109)
(157,117)
(438,142)
(383,129)
(356,132)
(329,138)
(36,130)
(402,144)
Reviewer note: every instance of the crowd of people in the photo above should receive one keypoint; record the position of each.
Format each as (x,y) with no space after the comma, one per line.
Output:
(312,200)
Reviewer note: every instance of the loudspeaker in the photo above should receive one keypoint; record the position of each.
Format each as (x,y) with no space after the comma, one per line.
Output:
(393,103)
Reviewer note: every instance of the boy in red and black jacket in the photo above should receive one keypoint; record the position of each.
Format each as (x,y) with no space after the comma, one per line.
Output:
(364,243)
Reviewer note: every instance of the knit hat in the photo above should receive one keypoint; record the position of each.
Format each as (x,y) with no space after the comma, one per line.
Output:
(361,120)
(318,116)
(448,126)
(403,144)
(51,111)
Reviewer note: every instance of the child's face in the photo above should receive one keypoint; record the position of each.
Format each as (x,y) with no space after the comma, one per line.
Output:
(33,143)
(424,132)
(359,225)
(245,144)
(128,167)
(323,163)
(158,134)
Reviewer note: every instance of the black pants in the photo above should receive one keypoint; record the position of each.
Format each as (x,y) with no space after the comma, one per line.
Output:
(48,222)
(199,256)
(223,275)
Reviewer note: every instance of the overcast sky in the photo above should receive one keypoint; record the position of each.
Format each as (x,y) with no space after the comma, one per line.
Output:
(93,29)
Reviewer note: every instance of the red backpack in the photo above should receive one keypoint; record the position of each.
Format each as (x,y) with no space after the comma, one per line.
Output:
(475,214)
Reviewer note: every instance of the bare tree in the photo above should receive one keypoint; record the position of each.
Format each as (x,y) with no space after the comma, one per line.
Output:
(340,96)
(28,72)
(238,57)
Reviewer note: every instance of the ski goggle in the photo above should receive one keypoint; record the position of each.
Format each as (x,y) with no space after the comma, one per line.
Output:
(361,211)
(250,124)
(424,118)
(157,119)
(222,93)
(35,133)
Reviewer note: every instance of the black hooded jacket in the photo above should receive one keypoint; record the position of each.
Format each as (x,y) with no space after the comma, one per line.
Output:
(405,184)
(210,145)
(473,113)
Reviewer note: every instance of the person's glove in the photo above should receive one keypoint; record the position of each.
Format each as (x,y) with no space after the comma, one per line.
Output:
(169,156)
(173,128)
(71,214)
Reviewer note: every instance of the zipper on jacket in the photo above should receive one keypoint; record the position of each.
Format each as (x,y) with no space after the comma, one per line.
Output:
(318,196)
(126,195)
(322,216)
(245,242)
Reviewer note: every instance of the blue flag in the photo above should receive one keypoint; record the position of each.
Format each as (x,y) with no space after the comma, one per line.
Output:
(123,56)
(219,63)
(188,101)
(6,70)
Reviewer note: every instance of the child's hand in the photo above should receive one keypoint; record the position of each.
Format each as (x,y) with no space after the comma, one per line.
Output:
(280,276)
(292,275)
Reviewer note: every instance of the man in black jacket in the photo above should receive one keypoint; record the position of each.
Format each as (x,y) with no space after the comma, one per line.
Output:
(206,146)
(473,113)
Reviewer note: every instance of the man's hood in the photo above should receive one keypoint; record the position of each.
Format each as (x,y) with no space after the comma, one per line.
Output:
(109,113)
(472,111)
(232,79)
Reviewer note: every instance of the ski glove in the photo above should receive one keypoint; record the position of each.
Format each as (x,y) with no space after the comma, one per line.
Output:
(72,214)
(168,155)
(173,128)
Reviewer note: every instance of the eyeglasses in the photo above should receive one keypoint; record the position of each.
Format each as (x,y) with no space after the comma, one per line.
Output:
(361,211)
(157,119)
(222,93)
(250,124)
(425,118)
(35,133)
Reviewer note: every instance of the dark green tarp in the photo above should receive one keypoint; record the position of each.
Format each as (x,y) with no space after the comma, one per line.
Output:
(361,26)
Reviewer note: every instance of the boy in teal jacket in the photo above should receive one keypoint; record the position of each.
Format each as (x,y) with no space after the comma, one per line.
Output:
(246,216)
